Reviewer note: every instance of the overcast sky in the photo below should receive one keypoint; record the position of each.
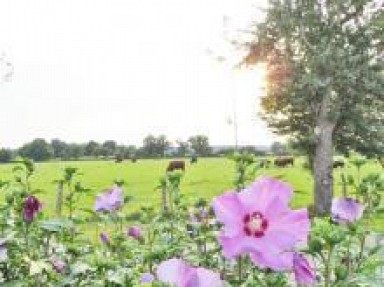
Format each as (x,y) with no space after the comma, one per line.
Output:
(119,69)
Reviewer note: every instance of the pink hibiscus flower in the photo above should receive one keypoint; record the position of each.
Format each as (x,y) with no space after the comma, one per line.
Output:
(258,221)
(346,210)
(111,200)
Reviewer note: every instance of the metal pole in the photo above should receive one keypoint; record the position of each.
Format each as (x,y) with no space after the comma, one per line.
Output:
(234,110)
(233,85)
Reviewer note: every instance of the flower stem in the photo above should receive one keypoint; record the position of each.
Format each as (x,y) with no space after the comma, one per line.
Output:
(240,268)
(327,275)
(47,244)
(26,232)
(361,253)
(150,241)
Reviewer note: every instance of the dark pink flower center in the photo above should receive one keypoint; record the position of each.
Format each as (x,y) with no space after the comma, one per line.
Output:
(255,224)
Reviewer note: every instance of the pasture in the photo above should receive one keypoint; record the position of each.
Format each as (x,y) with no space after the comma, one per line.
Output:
(206,179)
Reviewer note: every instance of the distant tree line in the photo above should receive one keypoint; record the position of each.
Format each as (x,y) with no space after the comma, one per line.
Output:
(153,147)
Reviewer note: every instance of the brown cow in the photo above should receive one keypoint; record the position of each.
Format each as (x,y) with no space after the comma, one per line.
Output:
(284,161)
(176,165)
(338,163)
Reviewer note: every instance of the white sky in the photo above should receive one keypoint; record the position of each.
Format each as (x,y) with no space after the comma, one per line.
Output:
(121,69)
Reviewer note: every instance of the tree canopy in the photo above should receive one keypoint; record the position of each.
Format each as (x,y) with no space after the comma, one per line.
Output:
(325,78)
(200,144)
(38,150)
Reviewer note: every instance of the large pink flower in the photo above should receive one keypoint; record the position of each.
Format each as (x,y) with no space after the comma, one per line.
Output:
(346,210)
(178,273)
(258,221)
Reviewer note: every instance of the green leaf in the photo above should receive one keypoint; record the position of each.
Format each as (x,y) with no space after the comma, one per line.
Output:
(56,225)
(13,283)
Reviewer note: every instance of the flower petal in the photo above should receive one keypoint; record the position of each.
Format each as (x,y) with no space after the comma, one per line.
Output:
(304,273)
(263,192)
(228,210)
(100,203)
(276,261)
(289,229)
(208,278)
(146,278)
(110,200)
(237,245)
(174,271)
(231,246)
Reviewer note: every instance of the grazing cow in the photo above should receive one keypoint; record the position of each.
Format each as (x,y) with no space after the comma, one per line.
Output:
(338,163)
(284,161)
(176,165)
(133,158)
(118,158)
(193,159)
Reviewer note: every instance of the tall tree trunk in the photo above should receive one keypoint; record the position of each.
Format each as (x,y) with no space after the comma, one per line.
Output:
(323,162)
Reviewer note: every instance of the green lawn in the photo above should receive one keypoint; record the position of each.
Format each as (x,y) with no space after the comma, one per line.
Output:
(207,178)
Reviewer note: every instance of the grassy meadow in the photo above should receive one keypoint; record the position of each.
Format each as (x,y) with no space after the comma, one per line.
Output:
(208,178)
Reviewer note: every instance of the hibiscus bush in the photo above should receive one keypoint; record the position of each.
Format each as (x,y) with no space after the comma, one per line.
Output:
(246,237)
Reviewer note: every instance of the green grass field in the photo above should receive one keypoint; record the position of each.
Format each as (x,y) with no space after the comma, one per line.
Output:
(207,178)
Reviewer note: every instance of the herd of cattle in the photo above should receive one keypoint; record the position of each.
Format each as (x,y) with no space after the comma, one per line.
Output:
(285,161)
(290,161)
(264,163)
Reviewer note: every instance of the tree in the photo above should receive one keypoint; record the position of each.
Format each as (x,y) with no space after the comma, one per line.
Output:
(277,148)
(38,150)
(162,144)
(155,146)
(130,151)
(59,148)
(182,148)
(325,79)
(91,148)
(75,151)
(5,155)
(200,144)
(149,146)
(109,147)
